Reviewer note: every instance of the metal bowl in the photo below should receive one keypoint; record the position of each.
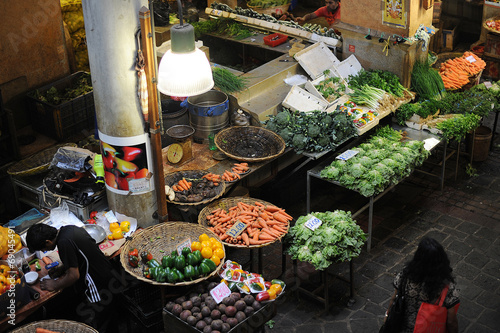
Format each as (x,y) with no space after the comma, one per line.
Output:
(96,232)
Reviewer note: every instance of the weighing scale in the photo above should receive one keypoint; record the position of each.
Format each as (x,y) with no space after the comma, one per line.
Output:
(181,151)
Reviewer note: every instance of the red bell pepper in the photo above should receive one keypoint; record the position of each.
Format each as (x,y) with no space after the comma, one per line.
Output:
(131,153)
(267,284)
(262,296)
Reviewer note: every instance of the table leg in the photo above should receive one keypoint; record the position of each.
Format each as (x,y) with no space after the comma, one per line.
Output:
(443,166)
(494,129)
(458,157)
(308,194)
(472,146)
(351,284)
(327,286)
(370,224)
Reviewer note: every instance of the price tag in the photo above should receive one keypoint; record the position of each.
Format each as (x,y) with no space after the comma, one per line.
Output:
(313,223)
(471,59)
(139,185)
(347,155)
(236,229)
(110,216)
(183,244)
(488,84)
(219,292)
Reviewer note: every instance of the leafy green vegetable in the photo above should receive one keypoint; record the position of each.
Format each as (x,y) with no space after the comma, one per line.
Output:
(426,81)
(379,163)
(380,79)
(337,239)
(227,81)
(457,127)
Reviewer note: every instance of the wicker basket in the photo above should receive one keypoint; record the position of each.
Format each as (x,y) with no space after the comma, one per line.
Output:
(172,179)
(490,29)
(227,203)
(56,325)
(271,10)
(473,79)
(36,163)
(160,240)
(249,143)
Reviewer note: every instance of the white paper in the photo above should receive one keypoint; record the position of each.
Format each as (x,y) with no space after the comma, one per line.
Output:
(430,143)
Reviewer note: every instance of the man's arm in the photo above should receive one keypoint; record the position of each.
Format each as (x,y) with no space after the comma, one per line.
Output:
(69,278)
(306,18)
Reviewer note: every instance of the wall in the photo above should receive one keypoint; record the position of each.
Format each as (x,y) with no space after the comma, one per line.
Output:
(469,14)
(32,47)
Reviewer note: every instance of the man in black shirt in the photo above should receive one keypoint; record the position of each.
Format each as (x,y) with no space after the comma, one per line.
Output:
(86,268)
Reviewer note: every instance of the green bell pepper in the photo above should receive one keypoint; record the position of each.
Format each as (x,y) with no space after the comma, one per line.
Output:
(180,275)
(204,269)
(191,259)
(186,251)
(198,256)
(174,253)
(180,262)
(189,272)
(210,264)
(153,263)
(167,261)
(196,271)
(161,276)
(172,276)
(154,272)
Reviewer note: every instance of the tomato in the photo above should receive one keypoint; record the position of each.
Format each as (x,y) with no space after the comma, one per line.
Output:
(219,252)
(195,246)
(206,252)
(204,237)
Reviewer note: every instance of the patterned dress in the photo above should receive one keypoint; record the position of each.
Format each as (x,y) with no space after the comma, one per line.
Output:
(415,296)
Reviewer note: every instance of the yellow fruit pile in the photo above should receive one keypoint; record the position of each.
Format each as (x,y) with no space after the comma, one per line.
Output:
(7,235)
(118,229)
(209,247)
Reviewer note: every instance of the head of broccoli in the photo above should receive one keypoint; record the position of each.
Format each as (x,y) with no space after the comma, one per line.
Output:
(271,125)
(313,130)
(299,141)
(286,134)
(283,118)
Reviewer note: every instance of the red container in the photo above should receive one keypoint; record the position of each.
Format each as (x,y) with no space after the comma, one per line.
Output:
(275,39)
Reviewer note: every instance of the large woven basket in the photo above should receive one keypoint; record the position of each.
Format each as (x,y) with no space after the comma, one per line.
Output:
(56,325)
(172,179)
(160,240)
(36,163)
(485,26)
(473,79)
(249,143)
(226,204)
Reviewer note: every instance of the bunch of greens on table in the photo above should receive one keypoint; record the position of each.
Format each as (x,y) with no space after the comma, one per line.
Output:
(367,95)
(331,88)
(457,127)
(56,96)
(380,79)
(426,81)
(223,26)
(226,81)
(337,239)
(380,162)
(314,131)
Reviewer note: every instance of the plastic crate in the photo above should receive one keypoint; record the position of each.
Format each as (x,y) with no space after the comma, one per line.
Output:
(275,39)
(144,302)
(66,119)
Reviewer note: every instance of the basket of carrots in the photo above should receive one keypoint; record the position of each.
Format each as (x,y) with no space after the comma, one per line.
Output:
(264,223)
(55,326)
(462,71)
(193,187)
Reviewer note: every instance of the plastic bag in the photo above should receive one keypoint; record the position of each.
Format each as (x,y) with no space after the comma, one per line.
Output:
(61,216)
(71,160)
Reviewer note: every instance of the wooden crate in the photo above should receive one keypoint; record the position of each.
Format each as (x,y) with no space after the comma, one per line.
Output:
(492,46)
(450,34)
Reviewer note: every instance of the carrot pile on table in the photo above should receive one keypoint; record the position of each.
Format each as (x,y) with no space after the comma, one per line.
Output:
(264,223)
(457,72)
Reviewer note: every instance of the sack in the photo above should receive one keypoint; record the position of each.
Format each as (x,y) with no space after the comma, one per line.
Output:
(432,317)
(395,317)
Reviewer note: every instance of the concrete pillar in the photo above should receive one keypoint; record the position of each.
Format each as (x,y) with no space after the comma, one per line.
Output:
(110,27)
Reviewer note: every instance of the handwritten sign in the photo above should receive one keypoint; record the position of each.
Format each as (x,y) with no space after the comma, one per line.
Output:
(138,185)
(347,155)
(110,216)
(183,244)
(471,59)
(219,292)
(313,223)
(236,229)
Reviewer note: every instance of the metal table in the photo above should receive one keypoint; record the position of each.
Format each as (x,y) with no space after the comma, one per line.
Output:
(413,134)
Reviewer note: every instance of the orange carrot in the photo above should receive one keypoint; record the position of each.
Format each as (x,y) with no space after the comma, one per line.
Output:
(43,330)
(257,242)
(245,238)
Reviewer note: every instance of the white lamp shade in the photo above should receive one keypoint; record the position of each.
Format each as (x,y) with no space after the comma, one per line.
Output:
(184,74)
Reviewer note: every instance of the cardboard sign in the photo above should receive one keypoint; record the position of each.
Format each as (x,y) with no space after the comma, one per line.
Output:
(471,59)
(219,292)
(313,223)
(236,229)
(183,244)
(347,155)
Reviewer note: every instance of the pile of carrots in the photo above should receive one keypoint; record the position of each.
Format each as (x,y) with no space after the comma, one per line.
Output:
(456,72)
(182,185)
(240,167)
(235,172)
(216,179)
(265,223)
(44,330)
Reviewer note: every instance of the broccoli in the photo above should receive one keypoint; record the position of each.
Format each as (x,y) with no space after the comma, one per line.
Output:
(327,120)
(299,141)
(271,125)
(286,134)
(283,118)
(313,130)
(324,141)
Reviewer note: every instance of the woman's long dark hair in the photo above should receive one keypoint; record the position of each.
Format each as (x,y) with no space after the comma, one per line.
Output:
(430,267)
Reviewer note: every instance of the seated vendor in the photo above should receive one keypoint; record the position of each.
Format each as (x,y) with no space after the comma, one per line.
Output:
(331,12)
(87,272)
